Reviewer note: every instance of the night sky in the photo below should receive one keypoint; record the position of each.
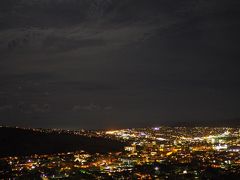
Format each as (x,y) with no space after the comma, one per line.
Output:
(118,63)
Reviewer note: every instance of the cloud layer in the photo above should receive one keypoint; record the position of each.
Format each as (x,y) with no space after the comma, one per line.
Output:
(111,63)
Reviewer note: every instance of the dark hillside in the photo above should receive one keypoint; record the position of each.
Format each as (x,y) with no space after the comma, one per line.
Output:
(16,142)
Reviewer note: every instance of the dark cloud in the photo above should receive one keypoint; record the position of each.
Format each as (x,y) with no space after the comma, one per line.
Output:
(63,44)
(91,107)
(154,61)
(5,107)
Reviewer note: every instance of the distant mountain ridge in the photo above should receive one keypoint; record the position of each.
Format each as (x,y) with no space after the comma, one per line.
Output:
(217,123)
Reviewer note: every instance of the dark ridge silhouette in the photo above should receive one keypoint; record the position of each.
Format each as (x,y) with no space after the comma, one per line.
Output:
(19,142)
(215,123)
